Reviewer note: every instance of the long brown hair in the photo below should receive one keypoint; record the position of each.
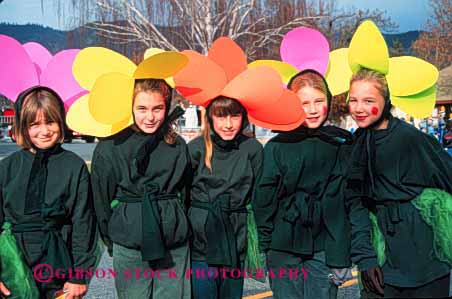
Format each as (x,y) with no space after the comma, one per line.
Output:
(220,106)
(161,87)
(38,100)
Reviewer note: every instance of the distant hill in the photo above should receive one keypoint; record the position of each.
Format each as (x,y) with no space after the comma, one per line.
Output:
(406,38)
(52,39)
(57,40)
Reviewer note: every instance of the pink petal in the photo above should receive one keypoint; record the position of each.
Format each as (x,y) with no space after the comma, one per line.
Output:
(38,54)
(305,48)
(17,71)
(58,75)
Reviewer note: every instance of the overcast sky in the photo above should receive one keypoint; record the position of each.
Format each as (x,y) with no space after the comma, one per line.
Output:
(408,14)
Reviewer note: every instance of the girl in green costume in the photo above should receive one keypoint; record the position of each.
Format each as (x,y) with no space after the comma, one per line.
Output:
(225,165)
(403,178)
(299,203)
(52,218)
(139,178)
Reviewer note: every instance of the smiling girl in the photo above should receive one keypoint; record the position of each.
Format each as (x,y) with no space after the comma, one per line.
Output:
(45,195)
(403,178)
(225,164)
(139,177)
(299,202)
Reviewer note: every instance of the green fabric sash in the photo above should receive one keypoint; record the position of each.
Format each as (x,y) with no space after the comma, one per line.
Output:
(221,240)
(54,249)
(14,271)
(153,245)
(253,255)
(377,239)
(435,207)
(305,214)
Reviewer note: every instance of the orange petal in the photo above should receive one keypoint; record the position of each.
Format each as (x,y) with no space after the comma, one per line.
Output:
(200,80)
(269,104)
(229,56)
(255,87)
(283,115)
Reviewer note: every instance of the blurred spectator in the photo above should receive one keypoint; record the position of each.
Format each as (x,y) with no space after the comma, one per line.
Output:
(447,138)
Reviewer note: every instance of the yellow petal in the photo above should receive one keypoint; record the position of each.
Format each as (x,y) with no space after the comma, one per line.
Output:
(79,119)
(410,75)
(93,62)
(161,65)
(339,73)
(419,105)
(368,49)
(285,70)
(110,99)
(170,82)
(152,51)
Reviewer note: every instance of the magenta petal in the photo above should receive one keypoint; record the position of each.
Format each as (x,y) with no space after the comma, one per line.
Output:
(58,75)
(17,71)
(305,48)
(38,54)
(38,70)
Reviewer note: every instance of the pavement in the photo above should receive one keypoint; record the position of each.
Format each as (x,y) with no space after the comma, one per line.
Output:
(102,286)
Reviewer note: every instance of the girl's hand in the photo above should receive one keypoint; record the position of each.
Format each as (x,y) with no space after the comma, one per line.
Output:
(4,291)
(74,291)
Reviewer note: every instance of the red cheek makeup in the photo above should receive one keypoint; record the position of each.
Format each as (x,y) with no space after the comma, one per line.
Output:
(374,110)
(324,110)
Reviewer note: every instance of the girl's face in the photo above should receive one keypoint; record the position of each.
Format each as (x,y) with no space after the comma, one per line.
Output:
(227,127)
(44,133)
(315,105)
(366,103)
(149,110)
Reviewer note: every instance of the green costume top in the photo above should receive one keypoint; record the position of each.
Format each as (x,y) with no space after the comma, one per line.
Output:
(299,205)
(62,231)
(407,161)
(150,214)
(218,212)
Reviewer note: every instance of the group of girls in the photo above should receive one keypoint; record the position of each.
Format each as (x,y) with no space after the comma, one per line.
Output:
(321,197)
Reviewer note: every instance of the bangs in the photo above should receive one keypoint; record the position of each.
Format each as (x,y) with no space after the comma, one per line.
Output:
(35,109)
(37,102)
(223,106)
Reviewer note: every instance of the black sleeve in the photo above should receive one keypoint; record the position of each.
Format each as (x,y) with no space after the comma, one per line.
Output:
(362,252)
(265,201)
(187,178)
(104,188)
(83,219)
(257,159)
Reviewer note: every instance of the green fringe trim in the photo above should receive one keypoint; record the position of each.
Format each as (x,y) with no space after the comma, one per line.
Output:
(14,272)
(378,240)
(253,260)
(435,207)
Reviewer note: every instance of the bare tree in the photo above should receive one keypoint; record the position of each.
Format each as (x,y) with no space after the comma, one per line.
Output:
(435,44)
(181,24)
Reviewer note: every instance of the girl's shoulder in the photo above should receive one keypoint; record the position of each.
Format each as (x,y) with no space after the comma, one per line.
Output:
(11,159)
(196,144)
(69,157)
(251,145)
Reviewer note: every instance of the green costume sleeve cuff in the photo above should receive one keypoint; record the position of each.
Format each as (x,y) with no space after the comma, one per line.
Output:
(367,263)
